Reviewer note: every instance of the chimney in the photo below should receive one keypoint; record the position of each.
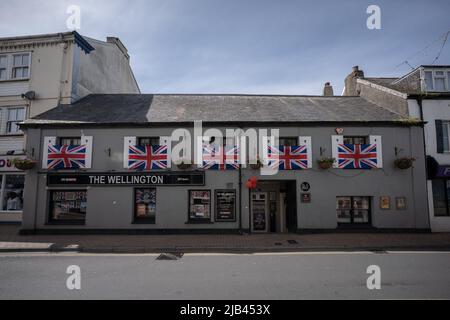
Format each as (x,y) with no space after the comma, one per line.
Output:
(350,82)
(328,90)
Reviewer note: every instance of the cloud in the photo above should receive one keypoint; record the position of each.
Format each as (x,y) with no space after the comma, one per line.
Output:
(211,46)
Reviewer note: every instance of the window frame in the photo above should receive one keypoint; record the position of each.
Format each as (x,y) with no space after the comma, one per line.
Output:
(5,68)
(446,147)
(10,66)
(146,220)
(22,66)
(51,221)
(285,138)
(351,211)
(10,122)
(445,76)
(199,220)
(446,193)
(60,139)
(139,139)
(366,139)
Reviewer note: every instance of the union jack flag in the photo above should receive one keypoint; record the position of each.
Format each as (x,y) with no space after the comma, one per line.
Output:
(288,157)
(357,156)
(66,156)
(147,157)
(214,158)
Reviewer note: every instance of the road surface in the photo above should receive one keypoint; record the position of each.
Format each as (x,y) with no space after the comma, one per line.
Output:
(314,275)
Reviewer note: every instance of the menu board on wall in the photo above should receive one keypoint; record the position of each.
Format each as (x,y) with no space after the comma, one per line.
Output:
(225,205)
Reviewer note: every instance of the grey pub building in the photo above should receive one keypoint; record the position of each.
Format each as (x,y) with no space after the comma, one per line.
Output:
(103,165)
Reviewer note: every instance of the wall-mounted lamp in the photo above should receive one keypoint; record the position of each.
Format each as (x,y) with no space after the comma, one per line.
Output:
(322,151)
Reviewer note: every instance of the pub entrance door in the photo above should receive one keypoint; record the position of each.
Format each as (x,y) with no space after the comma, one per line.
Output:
(259,212)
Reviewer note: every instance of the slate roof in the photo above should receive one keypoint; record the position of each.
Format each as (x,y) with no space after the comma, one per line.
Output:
(177,108)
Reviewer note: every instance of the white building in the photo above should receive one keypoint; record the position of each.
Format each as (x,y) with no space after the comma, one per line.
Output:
(39,72)
(424,93)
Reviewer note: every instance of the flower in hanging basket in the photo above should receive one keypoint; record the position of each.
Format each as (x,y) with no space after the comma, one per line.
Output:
(184,164)
(404,163)
(24,164)
(325,163)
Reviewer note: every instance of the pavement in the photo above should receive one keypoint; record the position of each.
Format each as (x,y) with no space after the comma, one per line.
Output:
(226,276)
(11,241)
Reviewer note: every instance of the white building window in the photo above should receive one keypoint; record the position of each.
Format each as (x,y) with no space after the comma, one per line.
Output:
(15,116)
(15,66)
(3,67)
(437,80)
(21,66)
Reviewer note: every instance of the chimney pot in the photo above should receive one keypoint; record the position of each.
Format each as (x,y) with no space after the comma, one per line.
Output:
(328,90)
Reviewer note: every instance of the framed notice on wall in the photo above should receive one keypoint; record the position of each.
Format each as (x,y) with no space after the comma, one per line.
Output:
(385,202)
(225,205)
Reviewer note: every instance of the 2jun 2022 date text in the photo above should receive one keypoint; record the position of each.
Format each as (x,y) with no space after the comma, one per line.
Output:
(230,310)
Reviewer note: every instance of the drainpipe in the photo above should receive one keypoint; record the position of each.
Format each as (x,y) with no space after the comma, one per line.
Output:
(62,77)
(419,102)
(39,154)
(240,199)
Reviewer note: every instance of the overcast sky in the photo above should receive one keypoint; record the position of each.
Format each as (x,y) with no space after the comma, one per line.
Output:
(249,46)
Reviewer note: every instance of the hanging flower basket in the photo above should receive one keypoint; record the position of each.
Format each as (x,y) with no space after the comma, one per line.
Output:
(325,163)
(257,165)
(184,166)
(404,163)
(24,164)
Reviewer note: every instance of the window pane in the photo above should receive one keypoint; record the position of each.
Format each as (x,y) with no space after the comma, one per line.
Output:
(429,80)
(24,72)
(145,204)
(73,141)
(13,193)
(68,205)
(145,141)
(25,60)
(288,141)
(199,204)
(13,127)
(445,140)
(439,84)
(2,74)
(17,60)
(355,140)
(360,208)
(3,61)
(439,197)
(343,208)
(20,114)
(448,80)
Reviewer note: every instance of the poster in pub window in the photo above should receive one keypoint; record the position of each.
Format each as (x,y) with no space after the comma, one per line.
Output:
(145,204)
(225,205)
(199,204)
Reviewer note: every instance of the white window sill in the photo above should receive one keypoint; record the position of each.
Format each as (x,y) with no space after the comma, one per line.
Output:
(15,80)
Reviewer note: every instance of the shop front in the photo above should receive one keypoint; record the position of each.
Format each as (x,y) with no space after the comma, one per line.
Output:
(11,190)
